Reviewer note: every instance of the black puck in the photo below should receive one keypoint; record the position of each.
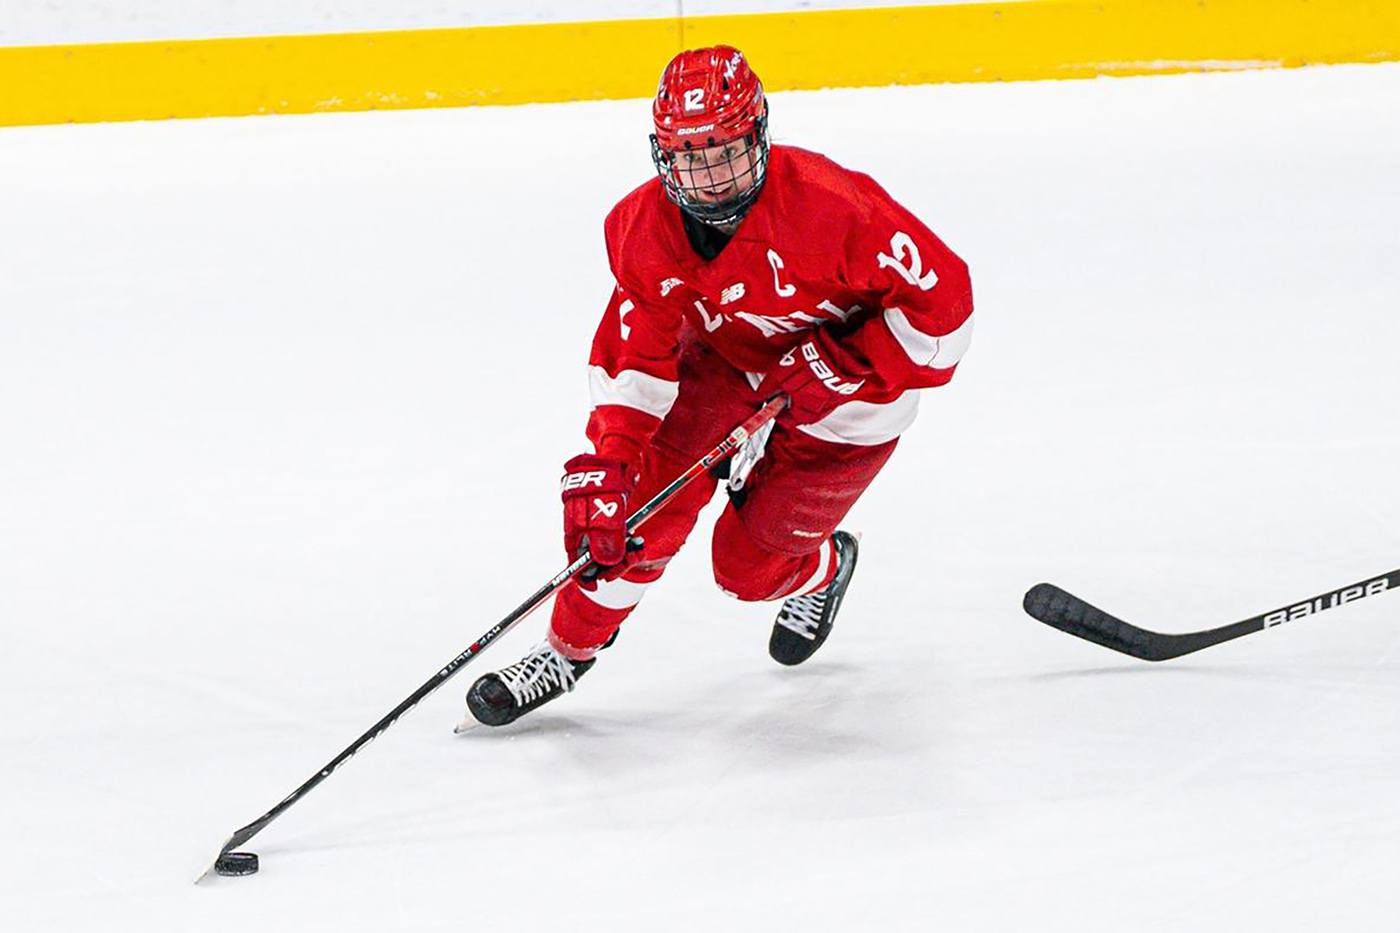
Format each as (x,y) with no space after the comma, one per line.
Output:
(237,863)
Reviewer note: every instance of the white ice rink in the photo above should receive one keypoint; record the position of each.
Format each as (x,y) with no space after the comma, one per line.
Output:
(270,458)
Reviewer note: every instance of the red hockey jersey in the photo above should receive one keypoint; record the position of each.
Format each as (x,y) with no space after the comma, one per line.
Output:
(824,250)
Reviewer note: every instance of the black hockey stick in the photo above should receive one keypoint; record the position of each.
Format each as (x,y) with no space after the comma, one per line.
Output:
(229,862)
(1068,613)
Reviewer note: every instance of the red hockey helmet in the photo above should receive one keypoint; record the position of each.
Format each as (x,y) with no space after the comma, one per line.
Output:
(711,141)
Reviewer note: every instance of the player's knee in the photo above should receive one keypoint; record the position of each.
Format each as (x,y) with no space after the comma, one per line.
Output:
(747,570)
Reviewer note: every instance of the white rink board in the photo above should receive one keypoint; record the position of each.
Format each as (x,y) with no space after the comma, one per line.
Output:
(270,460)
(46,22)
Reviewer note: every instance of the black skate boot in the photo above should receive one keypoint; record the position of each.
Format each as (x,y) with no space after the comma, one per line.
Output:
(805,621)
(506,695)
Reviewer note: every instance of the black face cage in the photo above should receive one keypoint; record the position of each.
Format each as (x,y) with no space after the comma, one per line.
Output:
(753,161)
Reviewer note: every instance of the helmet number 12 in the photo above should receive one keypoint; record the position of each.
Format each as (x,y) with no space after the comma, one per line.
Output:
(695,99)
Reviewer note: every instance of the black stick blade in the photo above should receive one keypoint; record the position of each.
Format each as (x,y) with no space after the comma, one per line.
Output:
(1047,603)
(1072,615)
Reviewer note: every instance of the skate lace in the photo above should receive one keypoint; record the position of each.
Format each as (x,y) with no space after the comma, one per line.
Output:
(535,674)
(803,614)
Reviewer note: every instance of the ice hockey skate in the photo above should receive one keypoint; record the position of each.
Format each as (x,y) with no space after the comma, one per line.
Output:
(804,621)
(505,695)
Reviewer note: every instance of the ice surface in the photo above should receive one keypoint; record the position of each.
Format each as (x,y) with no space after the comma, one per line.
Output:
(283,403)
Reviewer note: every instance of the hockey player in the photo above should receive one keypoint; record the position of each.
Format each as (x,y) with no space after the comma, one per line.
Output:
(743,270)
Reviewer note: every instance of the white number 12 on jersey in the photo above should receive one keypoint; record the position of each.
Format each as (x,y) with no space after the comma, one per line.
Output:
(902,245)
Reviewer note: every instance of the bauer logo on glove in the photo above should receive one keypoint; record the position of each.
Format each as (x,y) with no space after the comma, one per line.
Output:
(595,490)
(580,480)
(813,390)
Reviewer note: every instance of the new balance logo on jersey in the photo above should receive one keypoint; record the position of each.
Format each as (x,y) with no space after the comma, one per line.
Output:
(606,509)
(732,293)
(580,480)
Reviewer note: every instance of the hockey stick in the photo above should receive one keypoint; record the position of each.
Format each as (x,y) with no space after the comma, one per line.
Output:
(246,863)
(1068,613)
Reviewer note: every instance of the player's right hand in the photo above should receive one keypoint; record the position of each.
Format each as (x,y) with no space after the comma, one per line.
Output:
(595,491)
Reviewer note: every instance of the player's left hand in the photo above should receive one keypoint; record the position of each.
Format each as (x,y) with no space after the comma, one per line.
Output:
(812,381)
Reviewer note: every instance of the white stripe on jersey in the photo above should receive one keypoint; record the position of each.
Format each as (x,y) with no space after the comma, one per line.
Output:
(866,423)
(633,389)
(936,352)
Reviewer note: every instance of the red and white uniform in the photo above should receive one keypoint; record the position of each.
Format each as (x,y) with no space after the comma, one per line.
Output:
(823,250)
(824,254)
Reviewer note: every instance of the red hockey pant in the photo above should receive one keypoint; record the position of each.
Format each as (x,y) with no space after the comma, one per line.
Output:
(775,544)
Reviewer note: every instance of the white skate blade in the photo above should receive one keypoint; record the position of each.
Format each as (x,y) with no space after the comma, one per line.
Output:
(466,725)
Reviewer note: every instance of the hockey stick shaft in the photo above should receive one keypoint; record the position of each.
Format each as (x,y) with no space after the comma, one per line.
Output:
(723,449)
(1068,613)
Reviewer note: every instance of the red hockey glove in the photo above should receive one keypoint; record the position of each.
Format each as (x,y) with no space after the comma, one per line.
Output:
(812,383)
(595,491)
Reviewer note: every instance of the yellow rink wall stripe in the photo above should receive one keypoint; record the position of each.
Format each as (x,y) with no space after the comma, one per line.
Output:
(622,58)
